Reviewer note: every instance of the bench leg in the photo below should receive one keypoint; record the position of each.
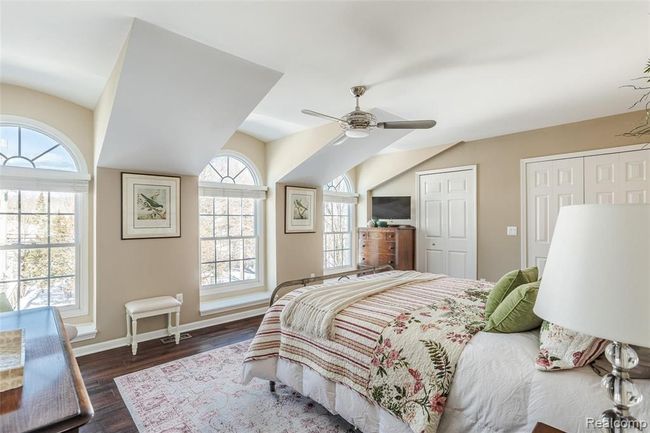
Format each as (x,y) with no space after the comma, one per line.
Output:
(128,328)
(177,334)
(169,324)
(134,339)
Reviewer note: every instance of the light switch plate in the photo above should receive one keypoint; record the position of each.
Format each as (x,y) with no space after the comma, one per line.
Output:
(511,230)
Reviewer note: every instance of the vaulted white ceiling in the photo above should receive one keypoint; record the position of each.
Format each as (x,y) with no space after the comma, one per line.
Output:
(176,102)
(479,68)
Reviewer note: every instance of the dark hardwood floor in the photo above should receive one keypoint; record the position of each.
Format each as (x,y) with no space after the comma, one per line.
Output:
(99,369)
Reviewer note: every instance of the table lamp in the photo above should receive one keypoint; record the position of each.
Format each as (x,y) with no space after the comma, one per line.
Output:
(597,282)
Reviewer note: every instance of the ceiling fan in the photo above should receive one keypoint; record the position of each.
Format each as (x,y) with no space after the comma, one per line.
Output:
(359,123)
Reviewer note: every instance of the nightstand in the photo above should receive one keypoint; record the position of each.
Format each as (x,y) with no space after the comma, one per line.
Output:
(543,428)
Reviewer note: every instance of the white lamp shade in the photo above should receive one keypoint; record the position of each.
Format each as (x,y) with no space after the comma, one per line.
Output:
(597,275)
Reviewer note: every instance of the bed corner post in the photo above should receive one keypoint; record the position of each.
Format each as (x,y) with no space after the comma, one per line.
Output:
(272,386)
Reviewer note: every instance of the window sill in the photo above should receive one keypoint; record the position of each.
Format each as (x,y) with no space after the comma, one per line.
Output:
(231,289)
(85,331)
(234,303)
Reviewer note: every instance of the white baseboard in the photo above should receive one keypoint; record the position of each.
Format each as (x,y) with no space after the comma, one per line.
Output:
(185,327)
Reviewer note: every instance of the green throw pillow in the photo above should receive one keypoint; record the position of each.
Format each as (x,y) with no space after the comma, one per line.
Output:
(515,313)
(507,284)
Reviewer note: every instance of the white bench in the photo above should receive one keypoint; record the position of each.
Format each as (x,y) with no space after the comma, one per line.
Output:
(149,307)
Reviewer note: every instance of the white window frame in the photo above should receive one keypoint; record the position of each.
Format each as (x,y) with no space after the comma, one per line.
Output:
(257,192)
(36,179)
(351,199)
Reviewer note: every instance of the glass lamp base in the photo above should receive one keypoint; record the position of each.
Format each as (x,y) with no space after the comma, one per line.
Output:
(622,391)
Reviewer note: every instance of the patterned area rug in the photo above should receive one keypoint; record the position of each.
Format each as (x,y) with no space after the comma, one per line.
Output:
(202,393)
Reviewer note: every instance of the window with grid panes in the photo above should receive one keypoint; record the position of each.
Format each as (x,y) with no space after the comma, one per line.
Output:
(229,226)
(39,239)
(337,227)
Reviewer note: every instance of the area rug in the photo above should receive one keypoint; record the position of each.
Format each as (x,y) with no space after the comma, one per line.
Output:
(202,394)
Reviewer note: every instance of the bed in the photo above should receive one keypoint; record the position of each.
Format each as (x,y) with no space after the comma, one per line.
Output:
(495,386)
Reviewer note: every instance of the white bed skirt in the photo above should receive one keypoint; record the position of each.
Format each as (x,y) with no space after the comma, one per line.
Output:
(336,398)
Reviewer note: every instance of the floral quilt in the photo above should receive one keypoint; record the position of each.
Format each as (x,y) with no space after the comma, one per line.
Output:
(415,358)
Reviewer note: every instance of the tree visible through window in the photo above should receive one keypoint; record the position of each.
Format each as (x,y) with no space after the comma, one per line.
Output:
(337,224)
(228,223)
(39,248)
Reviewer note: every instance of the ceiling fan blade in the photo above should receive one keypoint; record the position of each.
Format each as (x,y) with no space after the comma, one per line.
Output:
(339,140)
(321,115)
(407,124)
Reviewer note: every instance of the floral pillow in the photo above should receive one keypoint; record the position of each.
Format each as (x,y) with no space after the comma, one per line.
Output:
(563,349)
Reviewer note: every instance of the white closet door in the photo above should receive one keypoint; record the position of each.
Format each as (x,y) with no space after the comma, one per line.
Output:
(447,219)
(550,185)
(618,178)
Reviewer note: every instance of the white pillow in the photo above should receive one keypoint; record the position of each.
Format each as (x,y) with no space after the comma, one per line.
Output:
(563,349)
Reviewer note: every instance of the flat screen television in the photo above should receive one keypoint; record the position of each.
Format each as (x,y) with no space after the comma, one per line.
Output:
(391,208)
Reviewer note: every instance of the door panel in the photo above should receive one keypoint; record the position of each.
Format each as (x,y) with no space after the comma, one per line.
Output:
(457,219)
(433,218)
(550,185)
(434,261)
(447,240)
(457,263)
(617,178)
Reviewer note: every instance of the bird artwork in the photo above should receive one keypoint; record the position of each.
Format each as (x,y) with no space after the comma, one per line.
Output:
(300,209)
(151,206)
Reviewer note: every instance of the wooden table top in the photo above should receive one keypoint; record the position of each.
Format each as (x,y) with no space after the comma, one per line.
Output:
(53,397)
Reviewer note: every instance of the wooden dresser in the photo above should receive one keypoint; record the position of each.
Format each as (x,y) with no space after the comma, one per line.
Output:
(53,397)
(393,246)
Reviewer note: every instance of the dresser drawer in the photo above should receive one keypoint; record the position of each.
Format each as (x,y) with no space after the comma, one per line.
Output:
(385,247)
(376,259)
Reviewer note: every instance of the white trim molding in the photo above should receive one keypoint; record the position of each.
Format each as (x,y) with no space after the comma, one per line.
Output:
(160,333)
(523,168)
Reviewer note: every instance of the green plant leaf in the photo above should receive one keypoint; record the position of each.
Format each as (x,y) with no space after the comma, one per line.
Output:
(441,364)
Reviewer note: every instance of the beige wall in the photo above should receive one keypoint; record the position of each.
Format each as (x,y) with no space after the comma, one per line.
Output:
(298,255)
(73,120)
(141,268)
(381,168)
(498,161)
(294,254)
(128,269)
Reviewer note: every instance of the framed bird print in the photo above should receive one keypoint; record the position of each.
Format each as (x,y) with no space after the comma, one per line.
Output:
(151,206)
(299,209)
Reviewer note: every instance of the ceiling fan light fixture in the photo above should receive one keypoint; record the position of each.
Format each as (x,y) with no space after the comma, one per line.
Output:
(357,133)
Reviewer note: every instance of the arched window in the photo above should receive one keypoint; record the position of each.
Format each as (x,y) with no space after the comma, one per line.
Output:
(339,184)
(26,147)
(230,202)
(43,215)
(229,169)
(338,224)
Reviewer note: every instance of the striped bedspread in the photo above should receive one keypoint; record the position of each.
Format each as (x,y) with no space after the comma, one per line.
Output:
(347,357)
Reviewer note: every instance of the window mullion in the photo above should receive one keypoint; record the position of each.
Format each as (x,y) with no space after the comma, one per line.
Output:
(20,252)
(49,253)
